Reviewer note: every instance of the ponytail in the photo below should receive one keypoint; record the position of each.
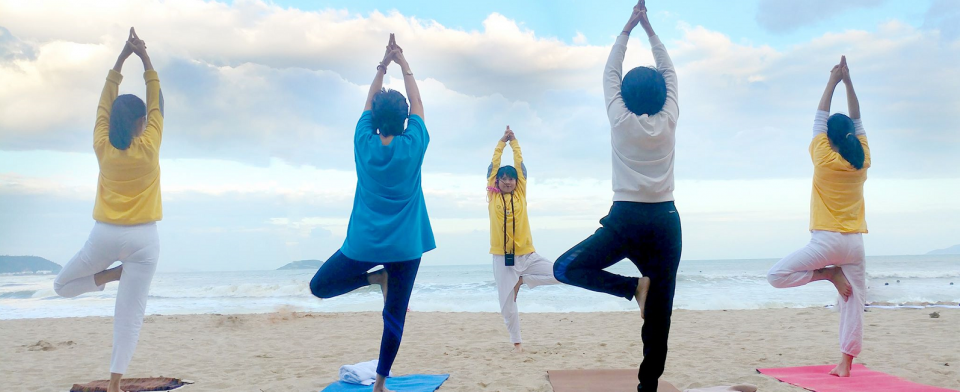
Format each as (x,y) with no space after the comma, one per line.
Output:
(842,133)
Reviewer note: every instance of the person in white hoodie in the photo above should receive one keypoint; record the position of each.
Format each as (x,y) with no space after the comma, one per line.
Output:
(643,224)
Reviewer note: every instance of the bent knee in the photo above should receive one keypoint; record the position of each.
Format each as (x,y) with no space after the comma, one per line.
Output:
(58,287)
(776,279)
(560,273)
(320,290)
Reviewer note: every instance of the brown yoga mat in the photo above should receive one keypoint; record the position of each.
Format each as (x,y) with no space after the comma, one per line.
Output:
(599,380)
(133,385)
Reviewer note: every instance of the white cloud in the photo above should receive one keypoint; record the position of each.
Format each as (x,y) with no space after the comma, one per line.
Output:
(580,39)
(262,102)
(251,82)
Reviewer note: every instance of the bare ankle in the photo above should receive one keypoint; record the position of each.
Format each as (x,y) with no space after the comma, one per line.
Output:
(640,295)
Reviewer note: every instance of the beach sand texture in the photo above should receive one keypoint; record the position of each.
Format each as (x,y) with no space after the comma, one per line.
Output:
(288,351)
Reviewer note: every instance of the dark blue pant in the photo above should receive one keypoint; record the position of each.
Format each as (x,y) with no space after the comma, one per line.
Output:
(649,235)
(341,274)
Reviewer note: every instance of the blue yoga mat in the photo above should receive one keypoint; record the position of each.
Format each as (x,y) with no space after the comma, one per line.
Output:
(409,383)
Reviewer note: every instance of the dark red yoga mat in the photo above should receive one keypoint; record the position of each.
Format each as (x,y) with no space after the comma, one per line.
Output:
(862,379)
(133,385)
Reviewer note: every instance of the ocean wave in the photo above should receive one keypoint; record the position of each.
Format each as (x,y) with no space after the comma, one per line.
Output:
(17,294)
(746,276)
(246,290)
(913,274)
(299,289)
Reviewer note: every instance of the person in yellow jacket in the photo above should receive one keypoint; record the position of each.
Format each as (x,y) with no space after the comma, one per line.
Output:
(126,139)
(515,261)
(840,156)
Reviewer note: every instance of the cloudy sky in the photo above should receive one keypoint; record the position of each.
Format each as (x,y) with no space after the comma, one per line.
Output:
(262,98)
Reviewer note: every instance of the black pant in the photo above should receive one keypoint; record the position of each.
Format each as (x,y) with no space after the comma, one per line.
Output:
(649,235)
(341,274)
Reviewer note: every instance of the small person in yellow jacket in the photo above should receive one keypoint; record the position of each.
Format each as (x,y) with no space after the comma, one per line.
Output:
(515,262)
(126,139)
(840,156)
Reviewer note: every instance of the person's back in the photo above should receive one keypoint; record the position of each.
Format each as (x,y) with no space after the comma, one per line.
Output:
(643,109)
(128,188)
(836,201)
(389,218)
(391,170)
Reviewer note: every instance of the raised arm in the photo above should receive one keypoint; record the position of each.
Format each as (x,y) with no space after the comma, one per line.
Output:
(377,84)
(101,127)
(517,156)
(823,108)
(154,126)
(835,77)
(853,104)
(518,163)
(409,82)
(664,64)
(613,71)
(639,15)
(497,154)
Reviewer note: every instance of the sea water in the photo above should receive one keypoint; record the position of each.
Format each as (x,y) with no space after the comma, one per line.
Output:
(701,285)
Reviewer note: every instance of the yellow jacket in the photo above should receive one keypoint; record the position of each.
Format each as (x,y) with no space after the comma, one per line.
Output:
(128,190)
(836,202)
(513,206)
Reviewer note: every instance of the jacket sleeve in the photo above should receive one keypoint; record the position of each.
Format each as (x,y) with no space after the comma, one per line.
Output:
(101,128)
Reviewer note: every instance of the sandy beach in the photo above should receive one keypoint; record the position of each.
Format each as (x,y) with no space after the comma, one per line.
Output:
(288,351)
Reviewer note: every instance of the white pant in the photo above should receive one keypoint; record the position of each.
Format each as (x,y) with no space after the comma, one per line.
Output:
(138,248)
(535,271)
(828,248)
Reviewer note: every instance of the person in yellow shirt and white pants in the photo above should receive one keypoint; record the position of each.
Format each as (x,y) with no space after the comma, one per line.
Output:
(841,156)
(126,139)
(515,261)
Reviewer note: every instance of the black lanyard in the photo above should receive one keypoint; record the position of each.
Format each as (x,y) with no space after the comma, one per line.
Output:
(512,221)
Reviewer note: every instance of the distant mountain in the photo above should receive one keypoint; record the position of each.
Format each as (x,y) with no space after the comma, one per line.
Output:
(302,264)
(27,265)
(953,250)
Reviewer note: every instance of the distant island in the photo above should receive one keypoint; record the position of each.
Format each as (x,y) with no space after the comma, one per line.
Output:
(27,265)
(953,250)
(302,264)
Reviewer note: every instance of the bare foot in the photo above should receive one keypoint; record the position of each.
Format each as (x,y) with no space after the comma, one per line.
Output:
(106,276)
(379,385)
(641,294)
(114,385)
(517,348)
(840,282)
(381,278)
(516,289)
(843,368)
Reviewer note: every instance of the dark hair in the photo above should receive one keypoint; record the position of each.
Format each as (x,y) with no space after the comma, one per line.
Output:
(390,109)
(508,171)
(843,134)
(127,110)
(644,91)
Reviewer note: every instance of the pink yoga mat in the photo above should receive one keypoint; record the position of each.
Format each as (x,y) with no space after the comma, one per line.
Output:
(817,378)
